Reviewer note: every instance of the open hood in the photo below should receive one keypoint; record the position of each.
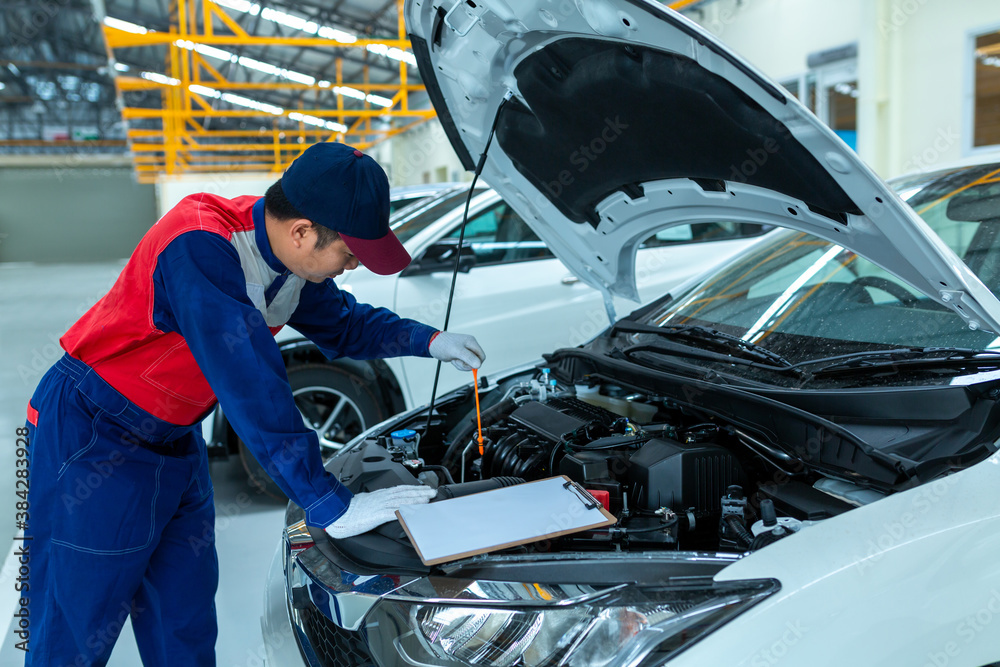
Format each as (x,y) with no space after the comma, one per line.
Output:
(616,118)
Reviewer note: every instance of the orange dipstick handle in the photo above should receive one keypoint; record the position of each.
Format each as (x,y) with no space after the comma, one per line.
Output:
(479,419)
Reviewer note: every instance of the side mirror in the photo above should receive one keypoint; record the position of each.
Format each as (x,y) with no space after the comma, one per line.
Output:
(441,257)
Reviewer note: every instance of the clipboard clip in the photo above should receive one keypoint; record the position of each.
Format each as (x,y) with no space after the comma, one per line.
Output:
(588,500)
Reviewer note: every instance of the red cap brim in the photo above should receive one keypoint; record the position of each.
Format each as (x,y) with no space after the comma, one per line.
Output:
(384,256)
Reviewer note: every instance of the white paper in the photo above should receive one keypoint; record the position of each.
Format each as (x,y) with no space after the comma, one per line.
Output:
(490,519)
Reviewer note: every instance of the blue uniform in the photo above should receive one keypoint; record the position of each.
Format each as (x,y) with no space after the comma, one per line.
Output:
(120,498)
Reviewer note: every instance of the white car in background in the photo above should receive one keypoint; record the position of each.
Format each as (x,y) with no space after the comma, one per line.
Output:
(512,294)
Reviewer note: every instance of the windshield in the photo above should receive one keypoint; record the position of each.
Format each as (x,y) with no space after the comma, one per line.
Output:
(413,223)
(806,298)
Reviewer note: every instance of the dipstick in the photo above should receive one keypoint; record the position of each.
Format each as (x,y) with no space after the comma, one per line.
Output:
(479,419)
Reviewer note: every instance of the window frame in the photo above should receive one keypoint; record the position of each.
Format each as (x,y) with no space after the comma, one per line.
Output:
(483,211)
(969,149)
(820,78)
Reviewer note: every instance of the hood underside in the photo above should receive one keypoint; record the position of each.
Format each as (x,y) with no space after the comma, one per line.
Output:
(615,119)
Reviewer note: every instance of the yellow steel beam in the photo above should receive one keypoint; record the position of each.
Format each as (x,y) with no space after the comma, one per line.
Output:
(361,114)
(62,143)
(120,39)
(181,144)
(222,134)
(683,4)
(136,83)
(234,148)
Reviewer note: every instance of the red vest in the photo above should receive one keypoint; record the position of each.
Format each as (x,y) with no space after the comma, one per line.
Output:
(117,337)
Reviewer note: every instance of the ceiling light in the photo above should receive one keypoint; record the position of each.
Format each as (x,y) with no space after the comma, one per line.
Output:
(290,21)
(204,90)
(118,24)
(46,90)
(156,77)
(349,92)
(121,67)
(251,63)
(252,104)
(379,100)
(392,52)
(238,100)
(313,120)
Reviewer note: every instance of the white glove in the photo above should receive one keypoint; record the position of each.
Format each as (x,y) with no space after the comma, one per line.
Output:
(370,510)
(461,350)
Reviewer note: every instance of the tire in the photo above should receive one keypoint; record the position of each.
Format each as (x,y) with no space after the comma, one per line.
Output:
(320,390)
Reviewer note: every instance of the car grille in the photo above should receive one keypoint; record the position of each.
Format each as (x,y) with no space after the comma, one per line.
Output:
(334,646)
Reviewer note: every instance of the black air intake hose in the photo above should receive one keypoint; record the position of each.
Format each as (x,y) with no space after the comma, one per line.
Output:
(468,488)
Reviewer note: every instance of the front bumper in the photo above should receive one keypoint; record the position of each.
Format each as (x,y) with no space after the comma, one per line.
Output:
(327,616)
(281,646)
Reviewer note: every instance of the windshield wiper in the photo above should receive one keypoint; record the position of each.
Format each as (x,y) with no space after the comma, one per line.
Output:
(894,354)
(734,345)
(903,359)
(682,350)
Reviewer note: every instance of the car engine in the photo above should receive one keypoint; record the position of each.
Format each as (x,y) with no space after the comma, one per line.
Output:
(672,479)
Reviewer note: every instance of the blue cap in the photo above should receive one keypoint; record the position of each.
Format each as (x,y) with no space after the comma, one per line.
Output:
(343,189)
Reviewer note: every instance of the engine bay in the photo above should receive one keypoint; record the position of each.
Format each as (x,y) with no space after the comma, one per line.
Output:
(673,478)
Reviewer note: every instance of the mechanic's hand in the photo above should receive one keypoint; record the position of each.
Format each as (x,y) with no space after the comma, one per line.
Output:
(461,350)
(371,510)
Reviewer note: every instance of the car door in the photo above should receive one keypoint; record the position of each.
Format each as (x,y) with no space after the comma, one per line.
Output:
(518,300)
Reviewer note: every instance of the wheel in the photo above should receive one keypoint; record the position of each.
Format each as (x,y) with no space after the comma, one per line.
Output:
(336,403)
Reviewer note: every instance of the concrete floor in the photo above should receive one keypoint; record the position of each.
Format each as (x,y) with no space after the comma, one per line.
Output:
(37,305)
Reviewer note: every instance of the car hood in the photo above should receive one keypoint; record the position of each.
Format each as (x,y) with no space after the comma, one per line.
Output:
(616,118)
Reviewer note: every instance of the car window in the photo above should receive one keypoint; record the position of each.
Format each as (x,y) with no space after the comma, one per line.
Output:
(704,232)
(403,202)
(805,297)
(499,236)
(412,224)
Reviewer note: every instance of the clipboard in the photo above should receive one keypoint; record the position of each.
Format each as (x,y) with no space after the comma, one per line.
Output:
(502,518)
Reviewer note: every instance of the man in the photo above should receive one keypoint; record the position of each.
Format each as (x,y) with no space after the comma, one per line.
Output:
(120,498)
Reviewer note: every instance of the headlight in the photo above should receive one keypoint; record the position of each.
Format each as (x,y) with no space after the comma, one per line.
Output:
(540,626)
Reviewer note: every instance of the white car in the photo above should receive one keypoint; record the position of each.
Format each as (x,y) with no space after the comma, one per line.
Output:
(799,448)
(513,295)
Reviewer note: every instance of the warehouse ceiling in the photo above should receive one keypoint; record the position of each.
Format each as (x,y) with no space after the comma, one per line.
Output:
(54,81)
(200,85)
(59,92)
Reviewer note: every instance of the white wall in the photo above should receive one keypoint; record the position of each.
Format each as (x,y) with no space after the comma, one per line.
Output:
(914,66)
(777,35)
(420,155)
(71,208)
(935,56)
(172,189)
